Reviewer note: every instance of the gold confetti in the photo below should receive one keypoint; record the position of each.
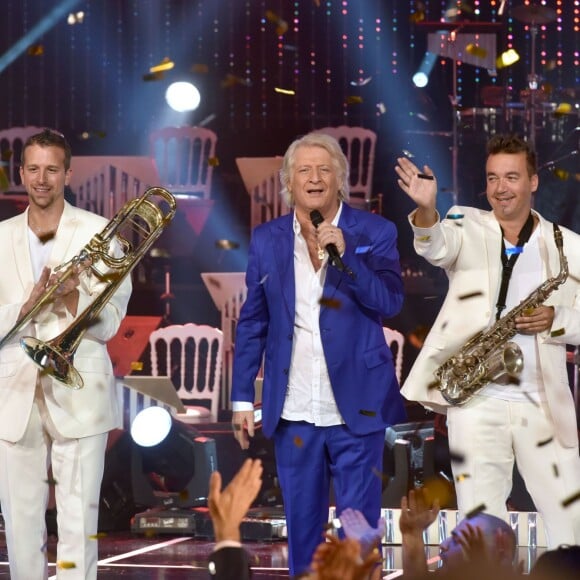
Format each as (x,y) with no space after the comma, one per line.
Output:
(545,442)
(214,282)
(470,295)
(183,495)
(35,50)
(153,76)
(98,536)
(136,365)
(561,174)
(570,500)
(51,481)
(367,413)
(480,508)
(213,161)
(165,64)
(462,477)
(353,100)
(382,476)
(456,457)
(227,245)
(417,16)
(563,109)
(555,470)
(200,68)
(284,91)
(475,50)
(64,565)
(436,488)
(298,441)
(330,303)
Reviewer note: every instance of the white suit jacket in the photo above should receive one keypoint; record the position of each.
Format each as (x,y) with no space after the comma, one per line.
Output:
(76,413)
(468,248)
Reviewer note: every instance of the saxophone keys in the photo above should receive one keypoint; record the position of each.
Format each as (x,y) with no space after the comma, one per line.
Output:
(528,311)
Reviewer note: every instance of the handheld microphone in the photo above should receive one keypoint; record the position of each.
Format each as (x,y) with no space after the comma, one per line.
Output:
(333,255)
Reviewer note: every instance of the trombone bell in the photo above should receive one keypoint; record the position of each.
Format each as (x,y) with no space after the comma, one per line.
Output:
(52,362)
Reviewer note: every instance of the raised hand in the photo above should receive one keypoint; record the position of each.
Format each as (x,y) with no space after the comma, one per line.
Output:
(355,526)
(416,516)
(228,508)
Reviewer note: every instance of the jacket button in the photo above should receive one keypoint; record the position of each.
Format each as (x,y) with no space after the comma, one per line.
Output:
(285,371)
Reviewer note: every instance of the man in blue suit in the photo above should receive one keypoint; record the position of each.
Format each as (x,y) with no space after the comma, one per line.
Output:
(329,386)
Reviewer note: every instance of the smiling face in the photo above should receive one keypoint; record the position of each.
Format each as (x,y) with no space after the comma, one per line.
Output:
(44,176)
(510,186)
(314,181)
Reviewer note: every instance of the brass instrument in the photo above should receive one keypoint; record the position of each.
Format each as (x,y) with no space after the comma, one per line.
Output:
(129,235)
(490,354)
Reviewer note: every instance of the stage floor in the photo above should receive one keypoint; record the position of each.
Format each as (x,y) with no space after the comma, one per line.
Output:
(136,557)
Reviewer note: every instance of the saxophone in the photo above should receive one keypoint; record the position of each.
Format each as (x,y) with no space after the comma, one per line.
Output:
(490,354)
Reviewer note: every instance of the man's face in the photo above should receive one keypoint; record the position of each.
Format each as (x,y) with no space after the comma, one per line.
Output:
(44,176)
(509,187)
(314,182)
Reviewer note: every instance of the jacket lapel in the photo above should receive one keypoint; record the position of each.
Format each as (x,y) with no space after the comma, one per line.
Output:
(492,237)
(283,244)
(22,258)
(66,230)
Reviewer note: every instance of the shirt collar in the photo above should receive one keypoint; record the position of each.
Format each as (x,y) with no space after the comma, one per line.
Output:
(296,224)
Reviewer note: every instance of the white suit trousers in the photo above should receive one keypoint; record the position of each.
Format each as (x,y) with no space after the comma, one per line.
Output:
(488,434)
(77,466)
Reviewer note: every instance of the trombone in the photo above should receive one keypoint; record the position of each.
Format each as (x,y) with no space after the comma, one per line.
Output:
(134,229)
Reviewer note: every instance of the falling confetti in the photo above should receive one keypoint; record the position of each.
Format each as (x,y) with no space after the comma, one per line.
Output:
(164,65)
(227,245)
(298,441)
(330,303)
(480,508)
(35,50)
(470,295)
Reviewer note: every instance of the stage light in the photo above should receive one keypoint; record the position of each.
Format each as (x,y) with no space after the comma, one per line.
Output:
(421,77)
(507,58)
(171,461)
(182,96)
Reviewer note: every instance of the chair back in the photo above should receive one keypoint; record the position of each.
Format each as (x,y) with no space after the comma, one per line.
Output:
(11,144)
(396,342)
(184,157)
(358,145)
(191,354)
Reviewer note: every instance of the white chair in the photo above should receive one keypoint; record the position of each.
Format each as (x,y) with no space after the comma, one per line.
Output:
(11,144)
(358,144)
(396,340)
(191,354)
(184,157)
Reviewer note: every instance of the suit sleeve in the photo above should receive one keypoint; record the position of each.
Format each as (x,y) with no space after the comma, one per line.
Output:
(229,564)
(252,328)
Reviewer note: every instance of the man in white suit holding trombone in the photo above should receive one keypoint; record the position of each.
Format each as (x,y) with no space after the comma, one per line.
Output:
(42,421)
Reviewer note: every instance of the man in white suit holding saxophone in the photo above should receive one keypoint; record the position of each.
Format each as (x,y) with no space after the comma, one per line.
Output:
(495,260)
(43,422)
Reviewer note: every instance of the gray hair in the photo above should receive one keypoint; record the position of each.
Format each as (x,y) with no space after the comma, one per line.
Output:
(339,161)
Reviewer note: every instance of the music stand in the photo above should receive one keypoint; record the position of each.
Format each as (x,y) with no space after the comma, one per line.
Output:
(450,40)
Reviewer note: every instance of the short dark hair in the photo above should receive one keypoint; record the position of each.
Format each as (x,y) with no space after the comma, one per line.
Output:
(513,144)
(49,138)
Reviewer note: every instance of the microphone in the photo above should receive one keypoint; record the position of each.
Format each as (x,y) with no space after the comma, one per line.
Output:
(335,259)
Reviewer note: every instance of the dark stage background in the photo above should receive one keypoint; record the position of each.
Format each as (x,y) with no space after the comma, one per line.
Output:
(346,61)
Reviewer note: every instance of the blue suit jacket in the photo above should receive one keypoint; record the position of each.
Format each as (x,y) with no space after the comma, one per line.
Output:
(360,364)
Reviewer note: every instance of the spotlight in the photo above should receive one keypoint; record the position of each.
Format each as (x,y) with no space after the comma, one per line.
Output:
(171,464)
(421,77)
(507,58)
(182,96)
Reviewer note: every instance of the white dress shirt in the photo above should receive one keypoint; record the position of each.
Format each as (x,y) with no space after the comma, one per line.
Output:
(309,396)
